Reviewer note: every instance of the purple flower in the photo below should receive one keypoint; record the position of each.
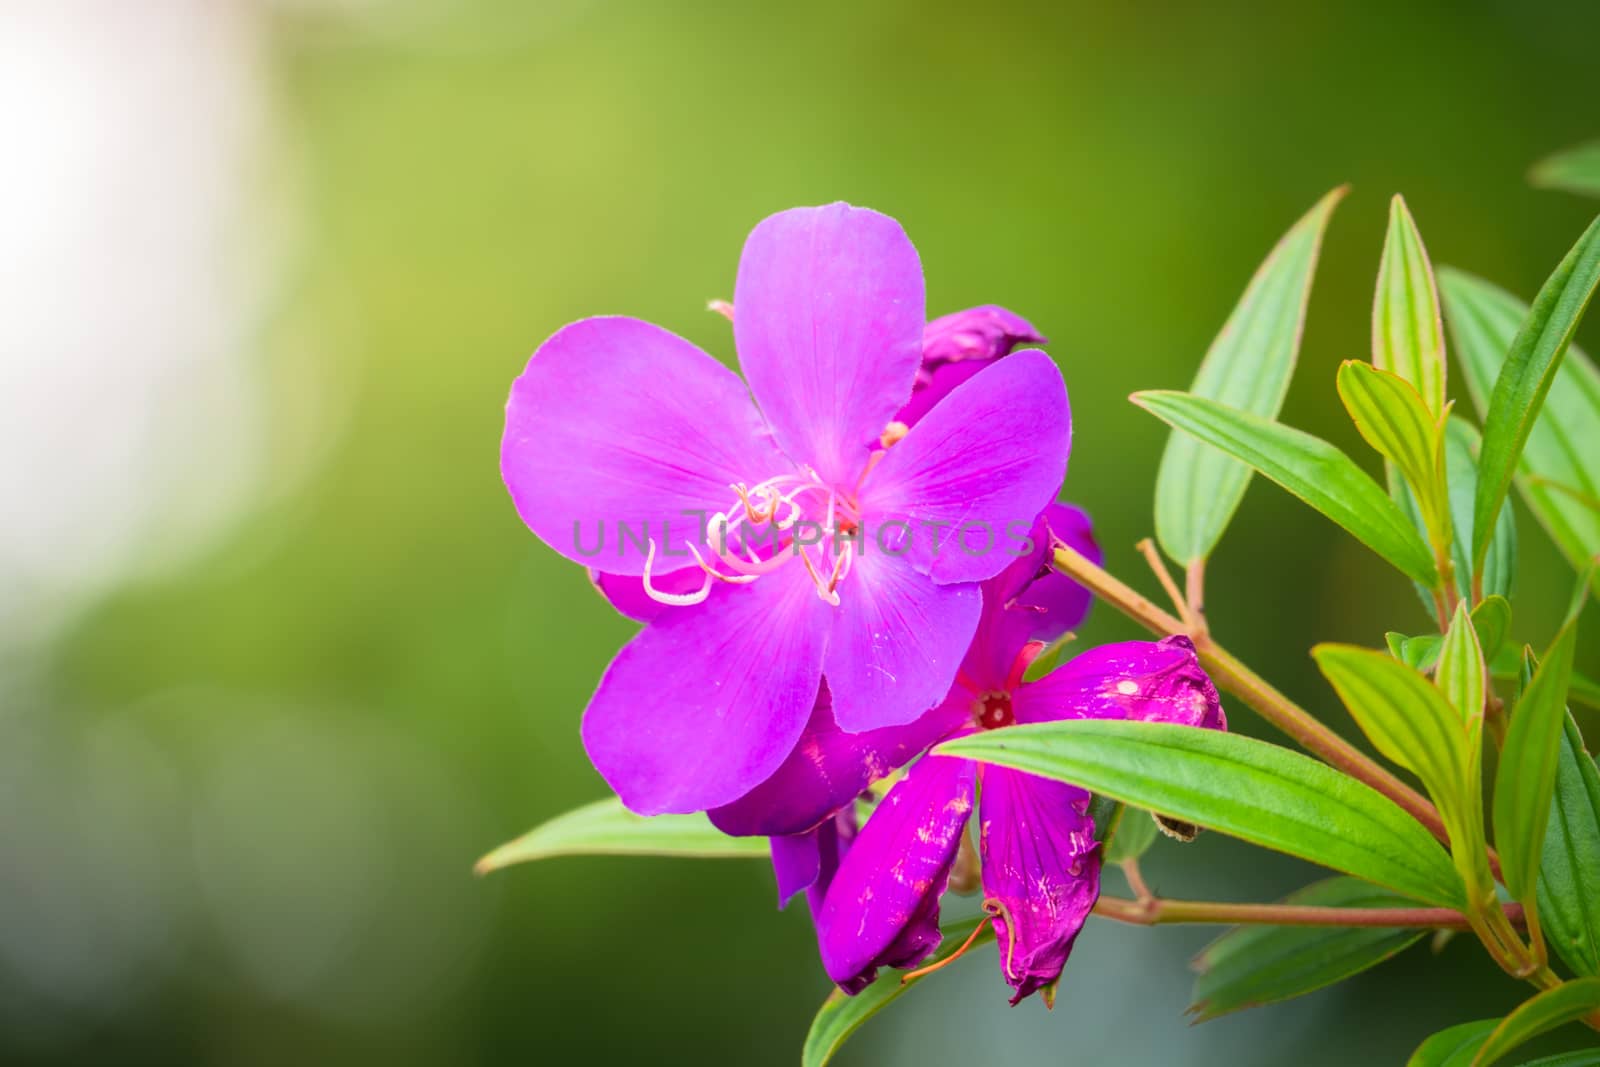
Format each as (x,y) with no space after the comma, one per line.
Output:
(957,346)
(815,551)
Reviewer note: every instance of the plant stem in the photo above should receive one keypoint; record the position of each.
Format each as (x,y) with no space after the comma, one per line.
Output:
(1234,676)
(1157,911)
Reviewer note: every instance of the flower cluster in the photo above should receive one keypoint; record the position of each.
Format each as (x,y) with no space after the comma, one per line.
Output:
(834,579)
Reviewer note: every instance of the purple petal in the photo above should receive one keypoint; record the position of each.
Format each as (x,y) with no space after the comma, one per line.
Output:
(1030,600)
(796,863)
(1160,681)
(829,330)
(626,592)
(882,909)
(967,482)
(617,425)
(828,770)
(1041,872)
(897,642)
(707,701)
(957,346)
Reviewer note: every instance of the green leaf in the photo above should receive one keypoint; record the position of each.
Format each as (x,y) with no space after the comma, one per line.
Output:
(1136,832)
(1581,1058)
(1483,320)
(1238,786)
(1525,377)
(1492,620)
(1461,468)
(1418,653)
(1577,170)
(606,828)
(1565,1003)
(840,1016)
(1453,1047)
(1308,467)
(1407,332)
(1569,871)
(1248,367)
(1412,723)
(1584,690)
(1394,420)
(1525,780)
(1254,965)
(1462,675)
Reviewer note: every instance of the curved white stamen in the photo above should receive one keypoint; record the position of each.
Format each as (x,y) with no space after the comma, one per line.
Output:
(731,579)
(676,600)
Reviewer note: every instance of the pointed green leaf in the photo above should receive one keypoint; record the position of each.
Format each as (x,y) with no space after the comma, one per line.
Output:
(1248,367)
(1394,420)
(1492,620)
(1483,320)
(1526,375)
(1407,332)
(1418,653)
(1461,468)
(1462,675)
(1555,1007)
(1577,170)
(840,1016)
(1453,1047)
(1569,871)
(1254,965)
(1525,780)
(1411,722)
(606,828)
(1306,466)
(1136,832)
(1235,785)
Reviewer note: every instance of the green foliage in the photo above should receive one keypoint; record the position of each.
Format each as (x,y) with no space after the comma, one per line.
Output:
(1412,723)
(1484,321)
(1136,832)
(1238,786)
(1308,467)
(1394,419)
(840,1016)
(1525,779)
(1565,1003)
(1577,170)
(1255,965)
(606,828)
(1569,871)
(1407,331)
(1248,367)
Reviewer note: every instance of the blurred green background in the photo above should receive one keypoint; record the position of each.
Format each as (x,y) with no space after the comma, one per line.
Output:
(244,773)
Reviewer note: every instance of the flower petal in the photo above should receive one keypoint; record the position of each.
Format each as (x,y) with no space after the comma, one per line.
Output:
(882,909)
(796,862)
(617,425)
(626,592)
(1030,600)
(967,482)
(707,701)
(897,642)
(828,769)
(957,346)
(1159,681)
(1041,872)
(829,330)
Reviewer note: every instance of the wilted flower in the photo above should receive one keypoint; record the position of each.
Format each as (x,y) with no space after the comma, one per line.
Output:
(800,546)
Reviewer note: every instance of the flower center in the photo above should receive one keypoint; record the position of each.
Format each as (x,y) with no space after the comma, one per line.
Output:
(778,521)
(992,710)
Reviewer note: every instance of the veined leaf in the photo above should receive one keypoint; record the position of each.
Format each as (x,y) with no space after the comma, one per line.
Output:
(1254,965)
(606,828)
(1565,1003)
(1569,872)
(1248,367)
(1483,319)
(1407,331)
(1412,723)
(1419,653)
(1394,420)
(1526,375)
(1525,780)
(840,1016)
(1492,620)
(1308,467)
(1453,1047)
(1577,170)
(1461,468)
(1463,676)
(1235,785)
